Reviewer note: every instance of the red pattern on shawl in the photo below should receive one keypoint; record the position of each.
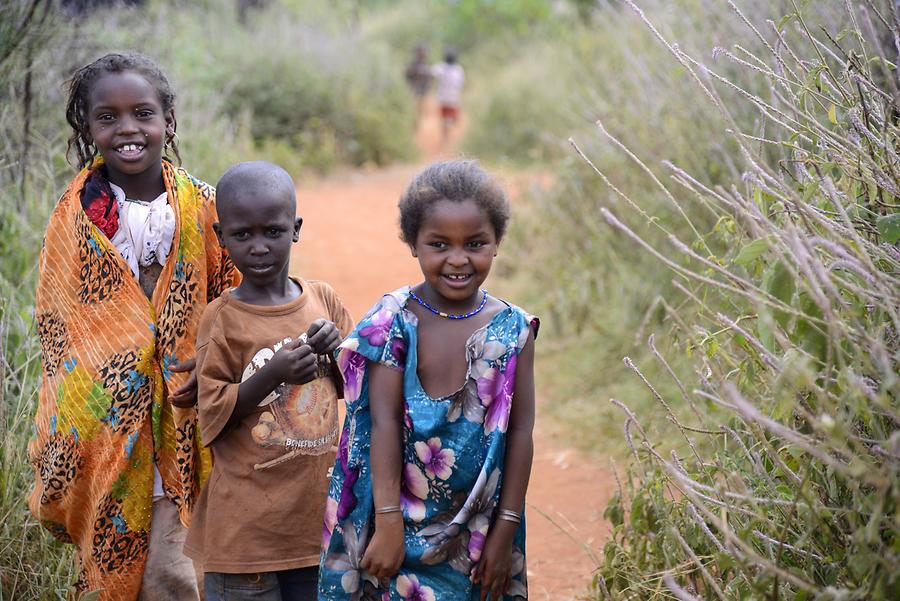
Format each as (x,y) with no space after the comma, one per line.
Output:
(99,202)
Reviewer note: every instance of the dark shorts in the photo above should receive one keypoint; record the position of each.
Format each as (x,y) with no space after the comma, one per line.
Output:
(285,585)
(449,112)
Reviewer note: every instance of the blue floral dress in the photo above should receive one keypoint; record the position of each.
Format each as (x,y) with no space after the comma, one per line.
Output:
(453,461)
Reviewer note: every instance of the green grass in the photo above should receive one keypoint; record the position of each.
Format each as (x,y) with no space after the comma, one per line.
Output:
(752,232)
(230,107)
(740,204)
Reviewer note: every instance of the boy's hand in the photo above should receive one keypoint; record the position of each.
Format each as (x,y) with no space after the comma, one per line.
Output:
(385,553)
(294,363)
(185,396)
(323,336)
(493,571)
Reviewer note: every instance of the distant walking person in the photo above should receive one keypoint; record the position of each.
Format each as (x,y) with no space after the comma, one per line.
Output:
(418,76)
(450,80)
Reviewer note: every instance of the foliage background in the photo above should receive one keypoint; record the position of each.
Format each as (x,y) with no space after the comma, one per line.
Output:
(722,212)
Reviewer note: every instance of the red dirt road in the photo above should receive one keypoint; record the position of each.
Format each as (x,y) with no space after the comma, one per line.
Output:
(350,239)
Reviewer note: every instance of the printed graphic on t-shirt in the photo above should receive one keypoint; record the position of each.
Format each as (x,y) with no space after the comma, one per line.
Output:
(300,418)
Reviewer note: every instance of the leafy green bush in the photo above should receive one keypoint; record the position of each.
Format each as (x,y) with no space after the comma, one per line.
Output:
(469,26)
(37,55)
(467,23)
(790,488)
(606,298)
(331,97)
(32,564)
(304,90)
(517,114)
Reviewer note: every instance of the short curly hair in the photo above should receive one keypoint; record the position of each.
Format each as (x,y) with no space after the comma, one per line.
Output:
(456,181)
(83,81)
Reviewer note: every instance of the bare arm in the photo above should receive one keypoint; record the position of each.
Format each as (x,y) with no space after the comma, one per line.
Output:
(493,572)
(519,442)
(294,363)
(386,551)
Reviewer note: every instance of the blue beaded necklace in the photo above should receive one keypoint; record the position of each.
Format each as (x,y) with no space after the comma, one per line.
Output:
(451,315)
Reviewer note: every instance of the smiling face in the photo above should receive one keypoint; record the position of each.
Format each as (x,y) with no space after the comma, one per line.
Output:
(258,225)
(456,245)
(129,127)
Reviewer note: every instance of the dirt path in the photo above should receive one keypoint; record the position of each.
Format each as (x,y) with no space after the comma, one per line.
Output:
(349,238)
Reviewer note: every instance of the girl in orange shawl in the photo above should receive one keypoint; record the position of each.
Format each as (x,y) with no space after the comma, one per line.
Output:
(128,264)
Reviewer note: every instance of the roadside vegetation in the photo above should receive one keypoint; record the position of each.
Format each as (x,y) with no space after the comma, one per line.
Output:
(295,84)
(722,237)
(720,229)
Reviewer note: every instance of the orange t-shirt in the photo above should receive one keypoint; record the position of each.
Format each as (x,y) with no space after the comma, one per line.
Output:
(262,508)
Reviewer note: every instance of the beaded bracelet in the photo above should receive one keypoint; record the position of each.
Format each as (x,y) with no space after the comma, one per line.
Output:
(388,509)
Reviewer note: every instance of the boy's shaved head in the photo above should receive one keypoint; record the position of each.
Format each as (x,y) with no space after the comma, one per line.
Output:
(254,179)
(258,223)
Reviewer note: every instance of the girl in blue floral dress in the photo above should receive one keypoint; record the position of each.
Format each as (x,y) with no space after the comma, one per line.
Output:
(428,491)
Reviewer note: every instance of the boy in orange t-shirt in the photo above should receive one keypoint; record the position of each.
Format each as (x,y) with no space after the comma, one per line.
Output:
(267,402)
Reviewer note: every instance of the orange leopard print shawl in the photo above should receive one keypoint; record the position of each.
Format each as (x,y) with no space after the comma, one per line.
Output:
(106,351)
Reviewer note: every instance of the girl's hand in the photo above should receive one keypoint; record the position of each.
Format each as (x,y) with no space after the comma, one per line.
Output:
(323,336)
(493,571)
(386,551)
(294,363)
(185,396)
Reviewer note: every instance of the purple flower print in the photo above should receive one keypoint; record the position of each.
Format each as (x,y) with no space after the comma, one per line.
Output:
(495,388)
(398,350)
(437,460)
(465,403)
(482,352)
(413,492)
(518,585)
(478,529)
(476,545)
(378,328)
(361,585)
(353,367)
(411,589)
(347,501)
(450,539)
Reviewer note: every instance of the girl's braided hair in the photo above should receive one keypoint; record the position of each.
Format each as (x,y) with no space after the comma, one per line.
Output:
(80,91)
(456,181)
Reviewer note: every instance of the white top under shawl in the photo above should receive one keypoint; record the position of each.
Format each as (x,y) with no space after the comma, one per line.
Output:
(145,234)
(145,230)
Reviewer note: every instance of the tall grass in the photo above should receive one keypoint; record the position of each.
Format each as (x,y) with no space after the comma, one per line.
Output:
(723,243)
(607,298)
(296,85)
(32,564)
(785,295)
(310,63)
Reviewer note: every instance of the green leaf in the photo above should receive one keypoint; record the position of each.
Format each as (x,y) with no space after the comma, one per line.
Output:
(809,336)
(889,227)
(614,512)
(765,331)
(785,20)
(779,282)
(832,114)
(752,251)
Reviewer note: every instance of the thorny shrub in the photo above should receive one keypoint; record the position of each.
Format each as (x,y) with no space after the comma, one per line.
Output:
(790,489)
